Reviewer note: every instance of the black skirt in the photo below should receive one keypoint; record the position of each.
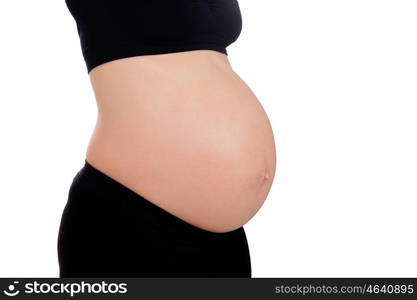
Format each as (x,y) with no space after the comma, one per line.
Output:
(108,230)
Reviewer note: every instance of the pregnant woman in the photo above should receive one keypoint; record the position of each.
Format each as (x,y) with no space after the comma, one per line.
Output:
(182,154)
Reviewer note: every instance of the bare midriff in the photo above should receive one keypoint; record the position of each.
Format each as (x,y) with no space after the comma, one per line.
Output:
(184,131)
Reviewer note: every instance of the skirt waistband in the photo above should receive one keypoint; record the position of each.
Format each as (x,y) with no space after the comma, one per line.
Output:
(110,190)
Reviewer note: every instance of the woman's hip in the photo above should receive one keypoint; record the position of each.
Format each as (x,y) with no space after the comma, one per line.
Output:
(107,230)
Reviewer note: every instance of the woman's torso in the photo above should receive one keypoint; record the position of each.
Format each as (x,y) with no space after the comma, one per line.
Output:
(185,132)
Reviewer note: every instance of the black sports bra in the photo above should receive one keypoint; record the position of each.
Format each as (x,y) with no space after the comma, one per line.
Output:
(111,29)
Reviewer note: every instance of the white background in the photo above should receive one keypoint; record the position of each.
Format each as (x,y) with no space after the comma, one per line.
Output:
(338,79)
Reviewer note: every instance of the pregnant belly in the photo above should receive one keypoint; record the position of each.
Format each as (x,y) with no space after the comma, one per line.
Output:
(185,132)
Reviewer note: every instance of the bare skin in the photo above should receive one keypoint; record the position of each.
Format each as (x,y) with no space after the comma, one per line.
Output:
(184,131)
